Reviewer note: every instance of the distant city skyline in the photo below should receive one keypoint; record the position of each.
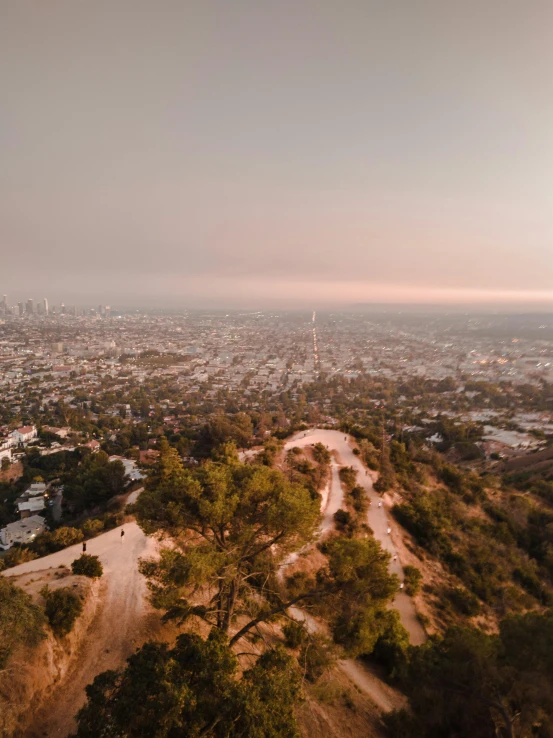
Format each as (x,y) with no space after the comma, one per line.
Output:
(282,154)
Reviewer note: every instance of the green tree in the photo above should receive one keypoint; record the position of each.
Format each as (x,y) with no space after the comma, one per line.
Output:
(92,527)
(473,685)
(87,566)
(232,524)
(351,591)
(412,580)
(63,537)
(62,608)
(193,689)
(21,622)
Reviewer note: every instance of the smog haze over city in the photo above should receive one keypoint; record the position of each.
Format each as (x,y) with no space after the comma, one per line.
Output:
(276,368)
(293,154)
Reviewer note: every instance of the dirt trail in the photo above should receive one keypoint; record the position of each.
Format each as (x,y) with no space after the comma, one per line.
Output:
(386,698)
(377,517)
(124,622)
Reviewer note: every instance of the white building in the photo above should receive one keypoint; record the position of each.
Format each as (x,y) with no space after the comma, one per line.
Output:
(36,488)
(22,531)
(32,500)
(25,434)
(131,470)
(5,453)
(31,506)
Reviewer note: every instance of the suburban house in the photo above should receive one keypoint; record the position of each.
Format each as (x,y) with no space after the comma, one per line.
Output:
(25,434)
(60,432)
(92,445)
(22,531)
(131,470)
(32,500)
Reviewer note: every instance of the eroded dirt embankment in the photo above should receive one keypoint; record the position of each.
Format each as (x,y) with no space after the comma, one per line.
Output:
(32,674)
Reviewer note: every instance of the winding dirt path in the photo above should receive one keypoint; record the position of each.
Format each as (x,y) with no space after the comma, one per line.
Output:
(377,517)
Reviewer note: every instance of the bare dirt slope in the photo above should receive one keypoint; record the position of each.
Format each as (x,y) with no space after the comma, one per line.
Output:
(123,622)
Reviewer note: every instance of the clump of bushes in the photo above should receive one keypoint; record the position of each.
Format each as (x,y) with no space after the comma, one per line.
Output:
(342,519)
(412,580)
(52,541)
(62,608)
(465,602)
(317,655)
(21,622)
(348,476)
(88,566)
(295,634)
(92,527)
(321,454)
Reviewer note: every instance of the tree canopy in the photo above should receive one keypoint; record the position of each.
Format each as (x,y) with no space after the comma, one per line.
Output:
(21,622)
(232,525)
(473,685)
(193,689)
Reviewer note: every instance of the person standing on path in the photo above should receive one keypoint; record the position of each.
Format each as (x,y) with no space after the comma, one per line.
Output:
(122,536)
(84,547)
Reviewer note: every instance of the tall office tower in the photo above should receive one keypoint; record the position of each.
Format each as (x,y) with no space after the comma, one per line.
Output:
(39,308)
(62,309)
(108,311)
(20,308)
(30,307)
(5,304)
(45,306)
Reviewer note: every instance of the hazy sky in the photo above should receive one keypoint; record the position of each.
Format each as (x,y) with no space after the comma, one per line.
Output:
(298,152)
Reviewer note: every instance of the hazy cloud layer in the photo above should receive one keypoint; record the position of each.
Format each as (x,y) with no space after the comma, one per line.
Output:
(304,152)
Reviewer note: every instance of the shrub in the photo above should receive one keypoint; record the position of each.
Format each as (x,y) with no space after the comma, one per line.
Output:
(464,602)
(392,647)
(21,622)
(424,519)
(342,518)
(92,527)
(412,580)
(18,555)
(63,607)
(316,656)
(87,566)
(321,454)
(294,634)
(359,500)
(348,476)
(112,520)
(63,537)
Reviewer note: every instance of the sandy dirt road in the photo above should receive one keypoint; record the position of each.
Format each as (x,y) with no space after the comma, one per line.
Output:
(124,621)
(377,517)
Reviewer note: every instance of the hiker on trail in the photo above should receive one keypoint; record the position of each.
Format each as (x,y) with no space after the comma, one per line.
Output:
(84,547)
(401,586)
(122,536)
(389,531)
(379,503)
